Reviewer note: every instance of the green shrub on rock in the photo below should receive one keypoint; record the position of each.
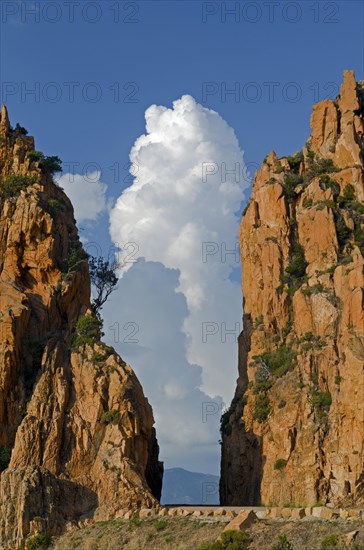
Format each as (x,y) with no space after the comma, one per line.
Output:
(97,357)
(348,196)
(12,185)
(76,256)
(297,265)
(279,361)
(87,331)
(359,237)
(50,164)
(329,542)
(19,130)
(110,417)
(40,541)
(225,427)
(295,161)
(318,167)
(321,402)
(327,183)
(229,540)
(291,181)
(262,408)
(342,230)
(283,544)
(5,454)
(56,205)
(279,169)
(280,464)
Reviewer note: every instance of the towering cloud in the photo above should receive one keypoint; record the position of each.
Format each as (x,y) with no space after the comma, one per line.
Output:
(188,187)
(180,213)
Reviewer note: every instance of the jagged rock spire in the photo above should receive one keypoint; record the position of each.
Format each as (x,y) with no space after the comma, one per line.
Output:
(337,128)
(295,430)
(83,464)
(4,121)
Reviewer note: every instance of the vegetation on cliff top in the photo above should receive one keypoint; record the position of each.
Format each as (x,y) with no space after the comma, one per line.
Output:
(76,256)
(87,331)
(12,185)
(293,178)
(48,164)
(19,131)
(103,279)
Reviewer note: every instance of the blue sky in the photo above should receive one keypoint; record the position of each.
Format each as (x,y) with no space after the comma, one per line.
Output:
(136,54)
(168,52)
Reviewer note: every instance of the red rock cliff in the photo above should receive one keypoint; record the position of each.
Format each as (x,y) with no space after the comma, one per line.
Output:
(76,432)
(295,430)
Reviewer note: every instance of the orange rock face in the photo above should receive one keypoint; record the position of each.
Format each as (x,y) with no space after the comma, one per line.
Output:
(76,432)
(295,430)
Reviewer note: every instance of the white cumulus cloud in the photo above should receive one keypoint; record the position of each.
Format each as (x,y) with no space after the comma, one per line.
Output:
(87,194)
(187,192)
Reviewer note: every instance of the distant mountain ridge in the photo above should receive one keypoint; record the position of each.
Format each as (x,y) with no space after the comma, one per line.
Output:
(184,487)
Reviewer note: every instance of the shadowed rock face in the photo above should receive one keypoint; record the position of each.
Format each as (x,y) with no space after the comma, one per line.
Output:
(69,461)
(295,429)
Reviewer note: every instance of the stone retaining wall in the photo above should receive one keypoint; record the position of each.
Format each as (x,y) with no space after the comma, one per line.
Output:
(226,515)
